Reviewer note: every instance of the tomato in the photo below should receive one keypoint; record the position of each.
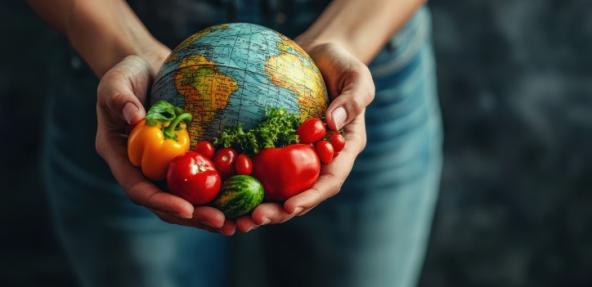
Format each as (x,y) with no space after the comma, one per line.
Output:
(337,140)
(325,151)
(224,162)
(243,164)
(311,130)
(205,148)
(287,171)
(193,177)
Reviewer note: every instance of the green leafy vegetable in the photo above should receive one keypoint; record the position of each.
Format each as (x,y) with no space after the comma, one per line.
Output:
(278,129)
(161,112)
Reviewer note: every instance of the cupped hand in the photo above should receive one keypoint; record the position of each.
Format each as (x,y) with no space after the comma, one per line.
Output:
(351,89)
(120,97)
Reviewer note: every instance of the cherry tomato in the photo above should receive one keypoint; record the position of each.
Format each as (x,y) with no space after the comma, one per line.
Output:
(193,177)
(311,130)
(243,164)
(325,151)
(224,161)
(338,141)
(205,148)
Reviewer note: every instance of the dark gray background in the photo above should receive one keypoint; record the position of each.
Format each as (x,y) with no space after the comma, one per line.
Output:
(515,86)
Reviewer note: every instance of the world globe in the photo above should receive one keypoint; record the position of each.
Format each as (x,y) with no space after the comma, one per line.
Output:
(232,73)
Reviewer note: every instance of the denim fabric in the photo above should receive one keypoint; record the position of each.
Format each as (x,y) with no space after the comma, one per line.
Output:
(373,233)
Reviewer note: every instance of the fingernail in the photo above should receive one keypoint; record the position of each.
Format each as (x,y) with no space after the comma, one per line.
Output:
(185,214)
(186,211)
(131,113)
(265,221)
(297,210)
(339,116)
(217,226)
(252,228)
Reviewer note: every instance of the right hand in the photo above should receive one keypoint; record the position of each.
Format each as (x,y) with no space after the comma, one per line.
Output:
(351,89)
(120,97)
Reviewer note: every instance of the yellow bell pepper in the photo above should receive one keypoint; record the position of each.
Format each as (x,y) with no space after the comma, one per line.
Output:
(158,139)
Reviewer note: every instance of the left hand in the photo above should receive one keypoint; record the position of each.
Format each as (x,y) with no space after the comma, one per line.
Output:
(351,89)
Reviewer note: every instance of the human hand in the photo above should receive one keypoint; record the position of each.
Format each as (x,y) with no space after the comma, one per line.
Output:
(120,97)
(351,89)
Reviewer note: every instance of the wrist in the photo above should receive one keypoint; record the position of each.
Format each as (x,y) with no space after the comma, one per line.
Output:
(311,40)
(155,55)
(104,34)
(319,42)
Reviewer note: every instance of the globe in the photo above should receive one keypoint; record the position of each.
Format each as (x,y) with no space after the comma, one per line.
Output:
(232,73)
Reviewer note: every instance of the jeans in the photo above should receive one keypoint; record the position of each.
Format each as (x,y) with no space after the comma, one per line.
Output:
(373,233)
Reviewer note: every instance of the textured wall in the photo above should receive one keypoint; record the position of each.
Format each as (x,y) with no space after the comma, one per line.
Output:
(515,87)
(29,250)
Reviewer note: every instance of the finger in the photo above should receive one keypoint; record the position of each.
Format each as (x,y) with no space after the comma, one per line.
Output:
(145,193)
(123,88)
(209,215)
(168,218)
(333,175)
(355,95)
(202,216)
(120,105)
(245,223)
(304,212)
(355,137)
(270,213)
(328,184)
(138,189)
(172,219)
(229,228)
(326,187)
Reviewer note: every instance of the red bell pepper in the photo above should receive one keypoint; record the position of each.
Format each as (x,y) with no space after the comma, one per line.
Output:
(287,171)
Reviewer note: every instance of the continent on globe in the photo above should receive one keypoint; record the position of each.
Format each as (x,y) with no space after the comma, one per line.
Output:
(196,77)
(231,73)
(304,79)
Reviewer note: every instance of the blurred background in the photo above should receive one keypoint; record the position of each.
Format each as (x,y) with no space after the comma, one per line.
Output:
(516,90)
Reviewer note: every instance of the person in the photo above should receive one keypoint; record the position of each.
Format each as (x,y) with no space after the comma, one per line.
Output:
(115,225)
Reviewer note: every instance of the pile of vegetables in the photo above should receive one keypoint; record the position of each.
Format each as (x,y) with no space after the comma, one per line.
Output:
(240,168)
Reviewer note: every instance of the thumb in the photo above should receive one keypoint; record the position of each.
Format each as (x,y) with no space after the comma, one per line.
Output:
(120,104)
(132,113)
(354,97)
(122,90)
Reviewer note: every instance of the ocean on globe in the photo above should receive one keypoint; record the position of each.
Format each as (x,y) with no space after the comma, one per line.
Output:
(231,73)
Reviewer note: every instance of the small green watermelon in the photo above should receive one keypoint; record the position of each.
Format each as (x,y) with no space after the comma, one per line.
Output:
(240,194)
